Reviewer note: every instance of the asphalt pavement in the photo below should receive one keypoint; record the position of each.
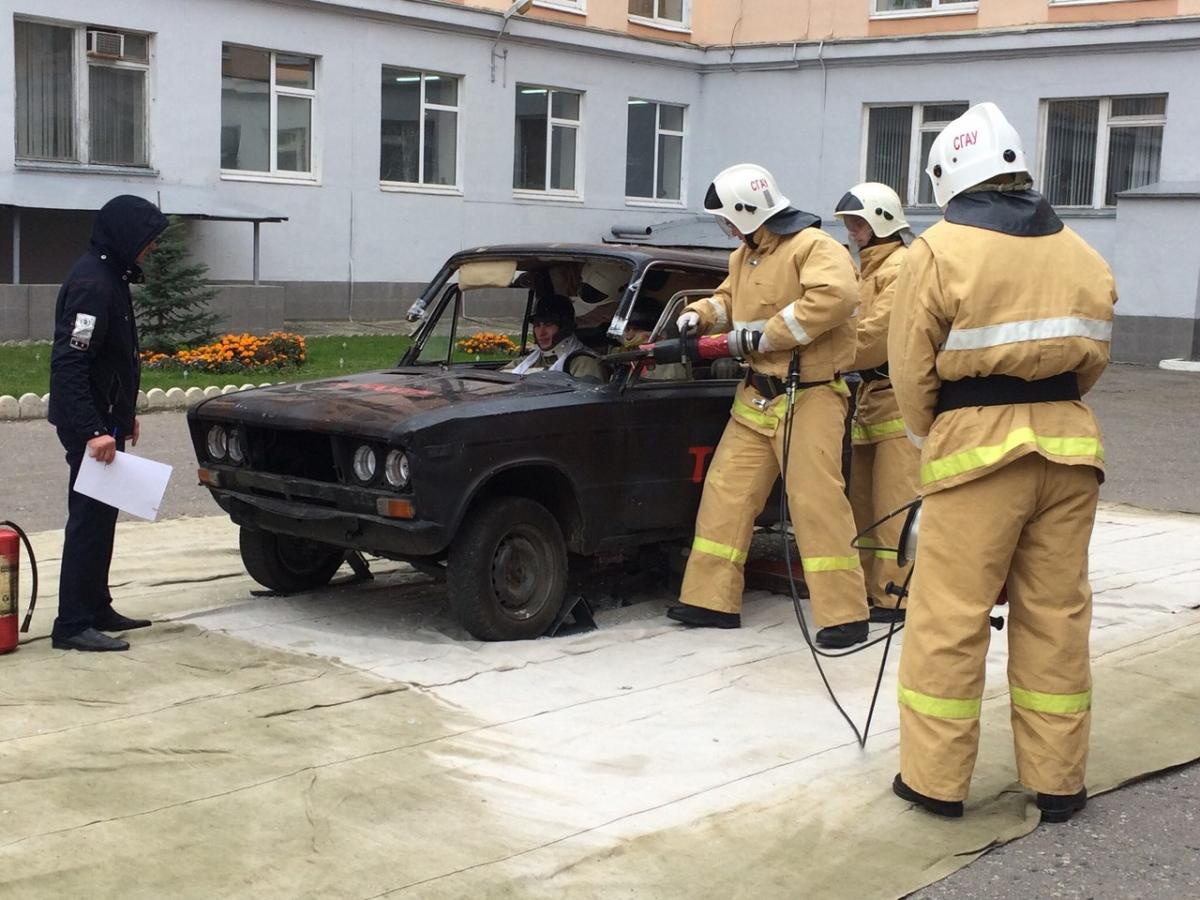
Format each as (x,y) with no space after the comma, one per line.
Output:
(1140,841)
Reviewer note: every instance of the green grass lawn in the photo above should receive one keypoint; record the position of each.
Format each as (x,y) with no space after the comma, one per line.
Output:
(26,369)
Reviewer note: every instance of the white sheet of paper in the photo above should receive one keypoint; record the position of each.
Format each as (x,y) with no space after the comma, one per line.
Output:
(132,484)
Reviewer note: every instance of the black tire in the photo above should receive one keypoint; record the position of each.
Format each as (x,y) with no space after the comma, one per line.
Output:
(288,564)
(507,570)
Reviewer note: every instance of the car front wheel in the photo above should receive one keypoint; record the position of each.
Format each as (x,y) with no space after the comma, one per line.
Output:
(288,564)
(507,570)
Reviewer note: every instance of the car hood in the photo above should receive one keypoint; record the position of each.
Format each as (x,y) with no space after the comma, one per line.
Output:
(375,404)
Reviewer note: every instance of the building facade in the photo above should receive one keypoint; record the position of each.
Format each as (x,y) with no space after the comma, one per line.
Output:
(341,149)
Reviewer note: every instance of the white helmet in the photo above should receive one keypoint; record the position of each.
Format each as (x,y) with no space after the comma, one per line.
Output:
(745,196)
(602,281)
(878,204)
(978,145)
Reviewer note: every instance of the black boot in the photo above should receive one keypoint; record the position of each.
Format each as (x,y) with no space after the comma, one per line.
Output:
(950,809)
(699,617)
(111,620)
(1060,807)
(837,637)
(887,614)
(89,639)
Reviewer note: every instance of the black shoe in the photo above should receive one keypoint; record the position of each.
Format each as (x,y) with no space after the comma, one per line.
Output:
(699,617)
(887,614)
(1060,807)
(837,637)
(89,639)
(950,809)
(111,620)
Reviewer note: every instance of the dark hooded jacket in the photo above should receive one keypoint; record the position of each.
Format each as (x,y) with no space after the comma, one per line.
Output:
(94,366)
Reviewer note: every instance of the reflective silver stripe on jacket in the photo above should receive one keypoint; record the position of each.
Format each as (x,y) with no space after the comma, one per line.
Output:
(718,311)
(1028,330)
(794,326)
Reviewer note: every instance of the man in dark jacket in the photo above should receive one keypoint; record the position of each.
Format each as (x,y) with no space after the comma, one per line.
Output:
(94,376)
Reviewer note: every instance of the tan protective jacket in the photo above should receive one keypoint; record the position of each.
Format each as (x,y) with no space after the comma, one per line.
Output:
(876,413)
(800,290)
(972,301)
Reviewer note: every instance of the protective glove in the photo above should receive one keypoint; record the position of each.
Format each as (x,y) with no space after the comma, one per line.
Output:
(689,321)
(764,345)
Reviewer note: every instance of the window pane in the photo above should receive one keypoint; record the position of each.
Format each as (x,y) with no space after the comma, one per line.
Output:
(565,105)
(639,150)
(441,142)
(889,5)
(441,89)
(925,191)
(562,156)
(641,8)
(1133,158)
(889,142)
(1071,151)
(136,47)
(294,151)
(294,71)
(1139,106)
(529,156)
(245,109)
(117,109)
(400,126)
(941,113)
(670,165)
(670,118)
(45,76)
(671,9)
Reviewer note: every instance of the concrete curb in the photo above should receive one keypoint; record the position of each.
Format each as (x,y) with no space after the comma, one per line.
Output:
(31,406)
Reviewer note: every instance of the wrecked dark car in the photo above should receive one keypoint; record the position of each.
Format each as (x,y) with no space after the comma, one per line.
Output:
(448,461)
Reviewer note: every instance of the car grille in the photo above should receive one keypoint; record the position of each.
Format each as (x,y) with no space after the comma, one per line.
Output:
(296,453)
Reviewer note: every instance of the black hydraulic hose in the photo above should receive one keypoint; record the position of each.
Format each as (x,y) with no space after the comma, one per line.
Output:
(32,567)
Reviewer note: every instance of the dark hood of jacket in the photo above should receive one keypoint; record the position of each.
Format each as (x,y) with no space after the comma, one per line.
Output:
(124,226)
(1019,213)
(791,220)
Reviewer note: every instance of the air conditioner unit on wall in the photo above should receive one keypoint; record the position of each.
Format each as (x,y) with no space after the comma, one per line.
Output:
(106,44)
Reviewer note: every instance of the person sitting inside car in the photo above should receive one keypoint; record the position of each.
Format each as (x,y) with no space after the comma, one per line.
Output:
(558,349)
(638,328)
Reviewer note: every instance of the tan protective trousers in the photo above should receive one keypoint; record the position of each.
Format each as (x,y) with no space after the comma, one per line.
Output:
(883,477)
(740,477)
(1028,523)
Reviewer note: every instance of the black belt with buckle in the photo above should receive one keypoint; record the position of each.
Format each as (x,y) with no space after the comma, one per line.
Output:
(772,387)
(876,374)
(1005,390)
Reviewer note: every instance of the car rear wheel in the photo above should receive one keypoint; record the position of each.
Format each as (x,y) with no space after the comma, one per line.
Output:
(507,570)
(288,564)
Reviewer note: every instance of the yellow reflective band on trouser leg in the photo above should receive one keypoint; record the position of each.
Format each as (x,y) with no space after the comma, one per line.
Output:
(878,430)
(939,707)
(762,419)
(1088,448)
(829,563)
(722,551)
(1054,704)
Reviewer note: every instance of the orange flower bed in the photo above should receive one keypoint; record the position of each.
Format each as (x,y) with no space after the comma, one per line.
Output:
(487,342)
(235,353)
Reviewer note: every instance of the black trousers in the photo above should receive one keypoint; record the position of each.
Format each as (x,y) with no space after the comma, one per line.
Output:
(87,550)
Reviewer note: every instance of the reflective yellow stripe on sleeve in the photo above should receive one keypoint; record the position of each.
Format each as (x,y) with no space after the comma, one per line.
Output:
(1056,704)
(1088,448)
(939,707)
(723,551)
(829,563)
(880,429)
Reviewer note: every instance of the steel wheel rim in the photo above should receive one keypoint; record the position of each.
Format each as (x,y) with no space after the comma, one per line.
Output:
(518,559)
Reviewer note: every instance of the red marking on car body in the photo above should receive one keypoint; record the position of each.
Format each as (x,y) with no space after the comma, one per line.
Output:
(701,455)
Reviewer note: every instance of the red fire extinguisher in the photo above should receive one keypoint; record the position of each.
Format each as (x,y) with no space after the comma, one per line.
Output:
(10,567)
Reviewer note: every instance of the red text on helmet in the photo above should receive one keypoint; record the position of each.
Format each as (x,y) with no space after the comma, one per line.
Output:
(760,184)
(966,139)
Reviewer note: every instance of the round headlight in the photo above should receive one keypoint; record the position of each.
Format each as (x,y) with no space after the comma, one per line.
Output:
(237,446)
(218,442)
(395,470)
(364,463)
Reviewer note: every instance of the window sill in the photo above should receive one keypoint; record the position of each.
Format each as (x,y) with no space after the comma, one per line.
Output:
(547,196)
(924,13)
(1086,212)
(268,178)
(662,24)
(561,7)
(652,203)
(1081,2)
(73,168)
(402,187)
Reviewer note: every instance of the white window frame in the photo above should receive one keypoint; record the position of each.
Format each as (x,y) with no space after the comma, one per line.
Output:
(683,25)
(916,167)
(81,100)
(578,7)
(661,202)
(549,193)
(1104,124)
(1085,2)
(939,8)
(419,186)
(275,174)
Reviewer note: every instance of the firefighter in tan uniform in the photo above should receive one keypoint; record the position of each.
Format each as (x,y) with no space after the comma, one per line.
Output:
(884,464)
(1002,321)
(795,284)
